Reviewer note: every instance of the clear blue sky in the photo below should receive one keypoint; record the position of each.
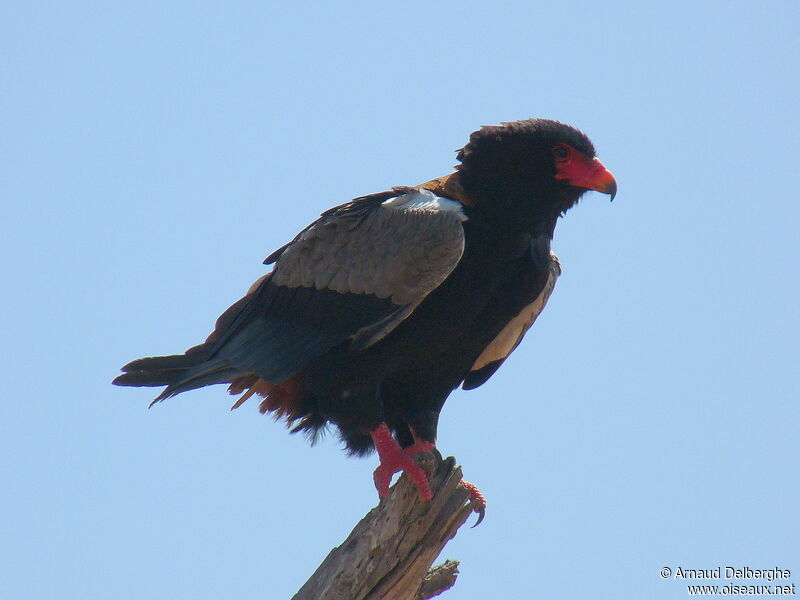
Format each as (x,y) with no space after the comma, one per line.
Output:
(152,156)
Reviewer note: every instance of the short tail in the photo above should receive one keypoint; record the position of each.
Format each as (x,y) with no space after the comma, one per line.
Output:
(179,372)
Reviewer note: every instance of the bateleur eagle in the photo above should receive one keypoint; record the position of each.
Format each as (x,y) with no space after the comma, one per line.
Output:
(376,311)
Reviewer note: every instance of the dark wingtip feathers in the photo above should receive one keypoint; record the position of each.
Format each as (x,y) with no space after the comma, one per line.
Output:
(156,370)
(179,372)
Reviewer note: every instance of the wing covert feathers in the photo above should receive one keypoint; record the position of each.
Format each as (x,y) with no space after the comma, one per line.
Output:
(400,249)
(355,273)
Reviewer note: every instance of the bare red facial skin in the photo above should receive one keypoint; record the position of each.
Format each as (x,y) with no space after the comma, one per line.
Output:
(581,171)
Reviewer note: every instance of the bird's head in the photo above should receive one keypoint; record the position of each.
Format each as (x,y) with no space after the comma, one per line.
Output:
(528,172)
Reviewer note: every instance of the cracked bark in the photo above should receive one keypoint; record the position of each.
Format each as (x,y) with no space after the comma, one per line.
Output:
(389,553)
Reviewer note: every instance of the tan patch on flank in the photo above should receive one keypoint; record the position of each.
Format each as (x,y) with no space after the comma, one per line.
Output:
(511,335)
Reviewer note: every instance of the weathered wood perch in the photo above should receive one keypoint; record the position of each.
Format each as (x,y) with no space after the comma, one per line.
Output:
(388,555)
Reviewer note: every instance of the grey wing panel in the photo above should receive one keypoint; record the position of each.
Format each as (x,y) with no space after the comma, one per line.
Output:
(400,249)
(355,274)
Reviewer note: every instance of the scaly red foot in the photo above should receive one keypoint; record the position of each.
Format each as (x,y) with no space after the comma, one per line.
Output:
(478,501)
(395,459)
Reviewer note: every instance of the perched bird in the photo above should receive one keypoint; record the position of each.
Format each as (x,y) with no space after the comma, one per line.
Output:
(380,308)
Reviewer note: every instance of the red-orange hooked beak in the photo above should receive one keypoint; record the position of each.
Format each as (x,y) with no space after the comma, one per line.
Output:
(589,174)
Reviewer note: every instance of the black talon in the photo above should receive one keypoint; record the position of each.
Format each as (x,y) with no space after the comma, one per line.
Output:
(481,510)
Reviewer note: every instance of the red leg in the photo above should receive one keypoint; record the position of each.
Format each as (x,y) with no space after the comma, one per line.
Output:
(394,459)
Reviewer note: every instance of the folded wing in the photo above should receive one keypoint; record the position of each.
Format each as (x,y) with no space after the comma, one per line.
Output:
(350,277)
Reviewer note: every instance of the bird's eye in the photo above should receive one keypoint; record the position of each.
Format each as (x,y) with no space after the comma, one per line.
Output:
(561,153)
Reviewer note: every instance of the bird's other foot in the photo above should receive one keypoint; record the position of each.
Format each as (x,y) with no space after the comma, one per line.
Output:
(477,499)
(395,459)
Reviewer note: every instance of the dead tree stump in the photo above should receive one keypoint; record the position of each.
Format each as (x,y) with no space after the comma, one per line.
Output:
(389,553)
